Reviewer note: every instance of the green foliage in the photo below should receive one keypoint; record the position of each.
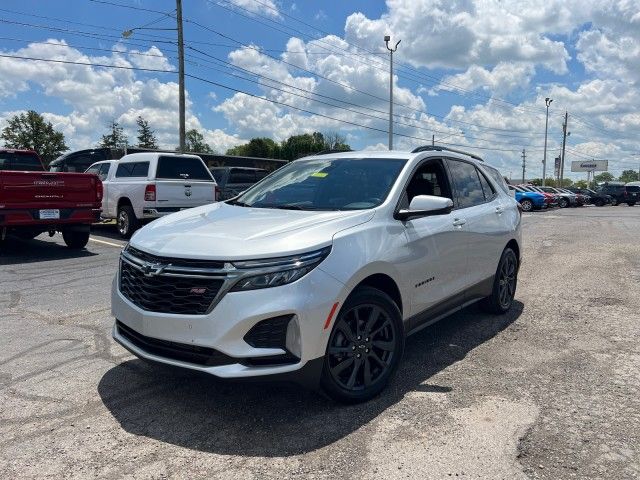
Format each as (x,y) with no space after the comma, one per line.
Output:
(603,177)
(115,137)
(146,136)
(629,176)
(31,131)
(293,147)
(581,184)
(194,142)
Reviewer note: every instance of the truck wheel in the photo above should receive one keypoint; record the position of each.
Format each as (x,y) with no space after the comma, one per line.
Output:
(127,221)
(76,239)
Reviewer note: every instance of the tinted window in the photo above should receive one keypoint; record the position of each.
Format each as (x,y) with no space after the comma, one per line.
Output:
(488,190)
(218,174)
(260,174)
(495,175)
(94,169)
(240,175)
(104,171)
(182,168)
(467,184)
(429,179)
(633,188)
(20,161)
(133,169)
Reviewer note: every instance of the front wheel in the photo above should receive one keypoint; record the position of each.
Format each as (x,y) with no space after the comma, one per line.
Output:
(76,239)
(527,205)
(564,203)
(614,201)
(365,347)
(599,203)
(504,284)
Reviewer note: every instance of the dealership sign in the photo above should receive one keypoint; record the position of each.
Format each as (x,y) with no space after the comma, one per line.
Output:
(590,166)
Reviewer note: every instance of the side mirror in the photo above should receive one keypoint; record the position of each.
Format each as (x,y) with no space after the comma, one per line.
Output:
(425,205)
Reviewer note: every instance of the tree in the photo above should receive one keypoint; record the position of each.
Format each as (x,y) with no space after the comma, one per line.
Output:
(257,147)
(603,177)
(115,138)
(30,131)
(581,184)
(629,176)
(146,136)
(194,142)
(335,141)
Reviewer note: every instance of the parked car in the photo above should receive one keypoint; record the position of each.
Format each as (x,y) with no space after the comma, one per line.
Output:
(528,200)
(596,198)
(34,201)
(564,199)
(141,187)
(581,200)
(305,277)
(620,193)
(550,199)
(234,180)
(80,160)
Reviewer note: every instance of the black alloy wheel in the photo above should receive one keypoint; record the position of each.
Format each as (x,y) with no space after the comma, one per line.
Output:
(365,346)
(504,284)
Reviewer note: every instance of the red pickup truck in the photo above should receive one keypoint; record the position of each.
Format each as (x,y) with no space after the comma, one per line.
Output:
(34,201)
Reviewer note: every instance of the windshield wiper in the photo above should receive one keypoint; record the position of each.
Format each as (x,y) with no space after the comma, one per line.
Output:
(237,202)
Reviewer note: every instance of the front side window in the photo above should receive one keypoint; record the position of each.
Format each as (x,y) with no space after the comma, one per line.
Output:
(429,179)
(182,168)
(467,183)
(326,184)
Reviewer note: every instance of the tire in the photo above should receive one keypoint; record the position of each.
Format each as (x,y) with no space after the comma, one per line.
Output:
(599,202)
(614,201)
(527,205)
(76,239)
(564,203)
(350,352)
(504,284)
(631,204)
(127,222)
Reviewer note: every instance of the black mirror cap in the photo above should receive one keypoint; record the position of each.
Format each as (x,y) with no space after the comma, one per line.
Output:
(406,214)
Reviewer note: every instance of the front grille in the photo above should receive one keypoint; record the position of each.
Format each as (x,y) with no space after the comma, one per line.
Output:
(176,262)
(176,351)
(168,293)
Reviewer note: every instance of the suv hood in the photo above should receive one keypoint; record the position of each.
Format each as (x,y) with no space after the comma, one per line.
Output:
(226,232)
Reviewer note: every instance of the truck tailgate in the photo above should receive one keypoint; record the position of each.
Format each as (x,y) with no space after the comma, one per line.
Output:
(20,190)
(184,193)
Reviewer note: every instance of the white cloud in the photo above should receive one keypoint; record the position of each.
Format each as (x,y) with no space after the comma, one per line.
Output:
(264,7)
(502,79)
(152,59)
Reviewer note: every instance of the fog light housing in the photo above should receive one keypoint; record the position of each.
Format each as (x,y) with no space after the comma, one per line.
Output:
(293,341)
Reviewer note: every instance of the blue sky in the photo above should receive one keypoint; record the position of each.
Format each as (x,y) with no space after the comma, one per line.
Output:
(471,73)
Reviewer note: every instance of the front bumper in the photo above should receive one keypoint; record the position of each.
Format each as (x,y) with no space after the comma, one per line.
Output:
(309,299)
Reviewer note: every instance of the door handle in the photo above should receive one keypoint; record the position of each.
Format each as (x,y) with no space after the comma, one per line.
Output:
(499,210)
(458,222)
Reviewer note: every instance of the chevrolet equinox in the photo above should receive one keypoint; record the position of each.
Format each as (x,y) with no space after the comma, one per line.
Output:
(318,272)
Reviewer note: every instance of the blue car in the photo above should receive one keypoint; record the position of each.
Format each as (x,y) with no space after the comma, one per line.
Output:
(528,200)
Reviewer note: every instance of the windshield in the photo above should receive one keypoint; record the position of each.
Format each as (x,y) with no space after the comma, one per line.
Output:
(325,184)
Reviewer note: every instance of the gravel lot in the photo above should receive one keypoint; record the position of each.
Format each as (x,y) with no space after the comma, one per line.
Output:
(551,390)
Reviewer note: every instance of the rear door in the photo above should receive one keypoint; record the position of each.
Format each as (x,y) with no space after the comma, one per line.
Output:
(481,210)
(183,182)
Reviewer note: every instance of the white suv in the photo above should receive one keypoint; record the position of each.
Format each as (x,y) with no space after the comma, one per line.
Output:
(318,272)
(144,186)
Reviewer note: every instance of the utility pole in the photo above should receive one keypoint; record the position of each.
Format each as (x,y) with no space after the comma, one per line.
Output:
(547,101)
(564,144)
(387,38)
(524,164)
(181,108)
(433,139)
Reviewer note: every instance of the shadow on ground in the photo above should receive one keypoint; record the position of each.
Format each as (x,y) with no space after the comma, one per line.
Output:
(198,412)
(14,251)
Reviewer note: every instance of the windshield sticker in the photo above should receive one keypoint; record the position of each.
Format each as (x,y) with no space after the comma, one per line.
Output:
(319,174)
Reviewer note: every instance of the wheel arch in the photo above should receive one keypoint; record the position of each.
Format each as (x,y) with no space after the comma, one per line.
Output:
(124,201)
(384,283)
(513,245)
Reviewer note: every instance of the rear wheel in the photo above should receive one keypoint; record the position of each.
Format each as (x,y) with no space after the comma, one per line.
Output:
(127,221)
(599,202)
(76,239)
(631,204)
(614,201)
(365,347)
(504,284)
(527,205)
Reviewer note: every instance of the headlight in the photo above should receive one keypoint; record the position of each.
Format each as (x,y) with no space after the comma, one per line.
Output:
(278,271)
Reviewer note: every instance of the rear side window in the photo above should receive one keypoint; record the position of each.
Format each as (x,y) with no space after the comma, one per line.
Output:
(633,188)
(95,169)
(217,173)
(467,183)
(240,175)
(182,168)
(496,177)
(20,161)
(104,171)
(133,169)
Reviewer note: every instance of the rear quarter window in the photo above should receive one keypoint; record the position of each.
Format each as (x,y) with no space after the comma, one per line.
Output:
(494,174)
(182,168)
(133,169)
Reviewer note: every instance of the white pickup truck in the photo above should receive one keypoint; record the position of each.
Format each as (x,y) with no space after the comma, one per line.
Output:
(144,186)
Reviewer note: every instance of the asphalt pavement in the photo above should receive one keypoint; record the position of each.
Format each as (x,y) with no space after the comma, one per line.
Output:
(550,390)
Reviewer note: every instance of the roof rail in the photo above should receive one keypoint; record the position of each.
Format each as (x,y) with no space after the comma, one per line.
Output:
(330,150)
(439,148)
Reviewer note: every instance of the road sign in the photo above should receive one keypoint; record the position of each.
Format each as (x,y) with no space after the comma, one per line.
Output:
(590,166)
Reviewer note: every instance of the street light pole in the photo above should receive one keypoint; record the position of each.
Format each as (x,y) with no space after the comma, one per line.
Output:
(181,100)
(547,101)
(387,38)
